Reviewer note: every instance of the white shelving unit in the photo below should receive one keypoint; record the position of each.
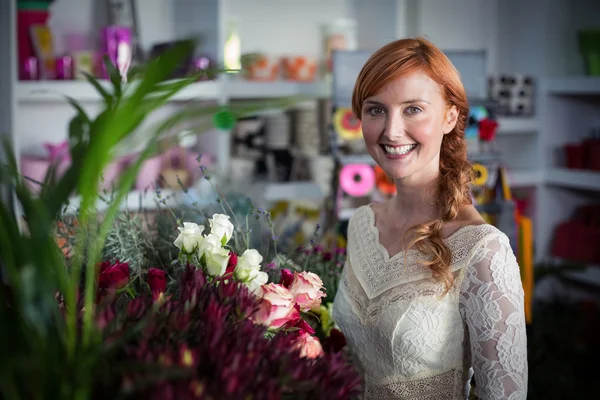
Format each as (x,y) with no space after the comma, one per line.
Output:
(571,110)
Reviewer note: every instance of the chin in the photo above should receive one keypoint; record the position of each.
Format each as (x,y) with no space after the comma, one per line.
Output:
(394,173)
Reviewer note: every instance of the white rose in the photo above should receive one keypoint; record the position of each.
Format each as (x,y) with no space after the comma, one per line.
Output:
(221,227)
(260,279)
(190,237)
(248,265)
(215,257)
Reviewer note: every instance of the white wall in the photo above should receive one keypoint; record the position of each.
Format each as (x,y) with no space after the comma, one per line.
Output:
(456,25)
(285,27)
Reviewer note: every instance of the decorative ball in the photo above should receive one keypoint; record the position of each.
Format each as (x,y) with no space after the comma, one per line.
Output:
(224,120)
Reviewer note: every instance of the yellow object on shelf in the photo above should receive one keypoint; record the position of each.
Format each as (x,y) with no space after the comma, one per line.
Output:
(347,126)
(525,259)
(481,174)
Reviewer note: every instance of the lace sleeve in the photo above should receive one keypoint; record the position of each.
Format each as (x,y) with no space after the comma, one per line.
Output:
(491,304)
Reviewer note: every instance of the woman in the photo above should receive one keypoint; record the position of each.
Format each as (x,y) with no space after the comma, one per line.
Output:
(431,295)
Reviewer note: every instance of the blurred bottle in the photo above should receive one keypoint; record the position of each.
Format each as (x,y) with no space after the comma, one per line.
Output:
(232,51)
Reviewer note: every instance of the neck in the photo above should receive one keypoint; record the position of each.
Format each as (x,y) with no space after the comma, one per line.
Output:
(416,198)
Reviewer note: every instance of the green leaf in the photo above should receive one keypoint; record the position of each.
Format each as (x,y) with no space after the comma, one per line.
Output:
(114,76)
(108,97)
(80,111)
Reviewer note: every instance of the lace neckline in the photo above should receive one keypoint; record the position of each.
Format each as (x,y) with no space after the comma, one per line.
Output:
(384,251)
(377,273)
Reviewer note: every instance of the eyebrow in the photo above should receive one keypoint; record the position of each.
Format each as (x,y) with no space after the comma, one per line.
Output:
(404,102)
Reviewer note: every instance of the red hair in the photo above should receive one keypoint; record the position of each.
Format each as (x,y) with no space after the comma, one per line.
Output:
(400,58)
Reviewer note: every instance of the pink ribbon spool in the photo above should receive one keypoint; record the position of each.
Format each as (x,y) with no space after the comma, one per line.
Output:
(357,180)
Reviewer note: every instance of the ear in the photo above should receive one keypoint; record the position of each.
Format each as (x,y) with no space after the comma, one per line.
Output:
(450,119)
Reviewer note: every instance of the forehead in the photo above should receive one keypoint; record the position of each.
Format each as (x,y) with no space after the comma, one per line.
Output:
(416,85)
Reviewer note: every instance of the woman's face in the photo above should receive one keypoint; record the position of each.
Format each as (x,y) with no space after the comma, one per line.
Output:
(403,126)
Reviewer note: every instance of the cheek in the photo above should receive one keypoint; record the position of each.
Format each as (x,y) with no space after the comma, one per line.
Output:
(372,129)
(424,130)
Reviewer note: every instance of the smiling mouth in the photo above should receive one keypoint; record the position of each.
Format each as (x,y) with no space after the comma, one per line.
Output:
(398,150)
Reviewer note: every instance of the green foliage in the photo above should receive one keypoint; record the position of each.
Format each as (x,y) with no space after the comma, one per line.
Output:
(54,349)
(48,351)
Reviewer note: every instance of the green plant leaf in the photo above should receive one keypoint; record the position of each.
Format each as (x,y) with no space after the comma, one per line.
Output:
(114,76)
(108,98)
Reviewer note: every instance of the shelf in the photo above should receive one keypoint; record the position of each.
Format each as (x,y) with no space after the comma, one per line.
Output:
(248,90)
(346,213)
(83,91)
(517,126)
(524,178)
(277,191)
(573,178)
(357,159)
(149,200)
(574,86)
(53,91)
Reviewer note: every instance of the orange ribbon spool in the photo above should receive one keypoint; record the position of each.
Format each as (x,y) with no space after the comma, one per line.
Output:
(384,182)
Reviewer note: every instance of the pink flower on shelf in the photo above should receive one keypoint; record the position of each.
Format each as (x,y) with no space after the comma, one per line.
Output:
(277,307)
(307,289)
(309,346)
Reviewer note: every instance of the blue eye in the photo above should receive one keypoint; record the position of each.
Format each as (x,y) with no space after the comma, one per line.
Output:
(413,110)
(374,111)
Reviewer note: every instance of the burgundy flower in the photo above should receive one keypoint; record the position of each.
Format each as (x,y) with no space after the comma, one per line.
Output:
(233,260)
(113,276)
(157,280)
(335,342)
(303,326)
(287,277)
(219,352)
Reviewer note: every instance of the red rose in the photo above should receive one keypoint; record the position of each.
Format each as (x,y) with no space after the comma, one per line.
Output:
(113,276)
(157,280)
(287,277)
(233,260)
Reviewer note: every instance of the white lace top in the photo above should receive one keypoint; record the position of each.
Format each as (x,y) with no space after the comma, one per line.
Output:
(409,341)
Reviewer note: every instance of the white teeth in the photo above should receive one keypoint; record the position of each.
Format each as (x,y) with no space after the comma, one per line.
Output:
(400,149)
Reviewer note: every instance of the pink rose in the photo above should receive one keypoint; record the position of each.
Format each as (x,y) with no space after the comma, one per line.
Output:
(277,306)
(307,289)
(309,346)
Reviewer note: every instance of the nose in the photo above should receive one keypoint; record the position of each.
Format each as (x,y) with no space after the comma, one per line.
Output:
(394,127)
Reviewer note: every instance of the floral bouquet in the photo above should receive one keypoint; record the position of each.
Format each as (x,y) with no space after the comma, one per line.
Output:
(225,329)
